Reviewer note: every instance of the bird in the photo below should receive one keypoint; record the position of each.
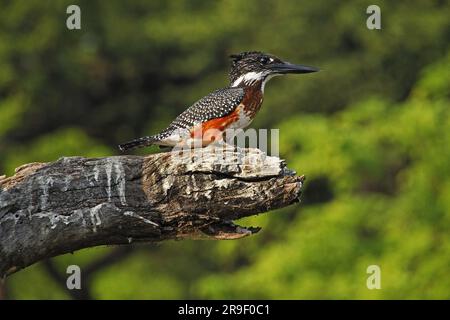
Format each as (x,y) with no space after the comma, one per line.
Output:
(232,107)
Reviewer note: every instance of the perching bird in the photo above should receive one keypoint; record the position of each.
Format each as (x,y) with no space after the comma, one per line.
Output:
(233,107)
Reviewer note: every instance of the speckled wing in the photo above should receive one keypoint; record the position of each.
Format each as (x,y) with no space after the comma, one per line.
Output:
(217,104)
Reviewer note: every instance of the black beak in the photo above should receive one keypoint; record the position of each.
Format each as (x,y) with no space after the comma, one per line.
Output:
(286,67)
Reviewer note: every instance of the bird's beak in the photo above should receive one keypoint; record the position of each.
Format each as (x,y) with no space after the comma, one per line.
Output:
(286,67)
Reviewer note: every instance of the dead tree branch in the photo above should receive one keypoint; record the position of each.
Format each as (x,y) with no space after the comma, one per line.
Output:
(48,209)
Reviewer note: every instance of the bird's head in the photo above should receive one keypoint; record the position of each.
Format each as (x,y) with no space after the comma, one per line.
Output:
(250,67)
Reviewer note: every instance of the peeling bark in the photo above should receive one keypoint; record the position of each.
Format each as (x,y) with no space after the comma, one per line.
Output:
(48,209)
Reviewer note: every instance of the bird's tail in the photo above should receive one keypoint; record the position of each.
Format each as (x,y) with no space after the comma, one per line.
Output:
(137,143)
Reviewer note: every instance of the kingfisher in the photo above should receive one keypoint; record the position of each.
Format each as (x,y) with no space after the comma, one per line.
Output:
(233,107)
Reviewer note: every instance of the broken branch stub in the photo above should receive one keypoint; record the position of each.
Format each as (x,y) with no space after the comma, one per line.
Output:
(47,209)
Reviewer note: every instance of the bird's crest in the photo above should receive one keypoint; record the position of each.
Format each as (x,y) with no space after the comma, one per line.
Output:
(236,57)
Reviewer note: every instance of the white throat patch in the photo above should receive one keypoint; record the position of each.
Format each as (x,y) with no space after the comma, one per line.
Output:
(249,78)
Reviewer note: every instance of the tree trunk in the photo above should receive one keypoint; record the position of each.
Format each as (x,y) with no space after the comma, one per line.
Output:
(48,209)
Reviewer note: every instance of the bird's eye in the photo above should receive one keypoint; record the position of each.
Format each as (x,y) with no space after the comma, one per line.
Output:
(265,60)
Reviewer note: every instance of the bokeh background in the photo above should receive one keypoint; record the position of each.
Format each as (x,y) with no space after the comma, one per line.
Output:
(371,132)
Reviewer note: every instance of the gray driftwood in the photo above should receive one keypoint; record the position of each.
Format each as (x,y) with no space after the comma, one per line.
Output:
(47,209)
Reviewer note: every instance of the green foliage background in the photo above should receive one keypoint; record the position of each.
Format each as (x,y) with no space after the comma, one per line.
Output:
(371,132)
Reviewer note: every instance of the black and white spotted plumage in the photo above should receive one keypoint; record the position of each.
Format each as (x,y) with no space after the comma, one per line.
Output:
(248,75)
(217,104)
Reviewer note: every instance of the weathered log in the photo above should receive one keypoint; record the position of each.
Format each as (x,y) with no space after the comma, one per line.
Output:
(48,209)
